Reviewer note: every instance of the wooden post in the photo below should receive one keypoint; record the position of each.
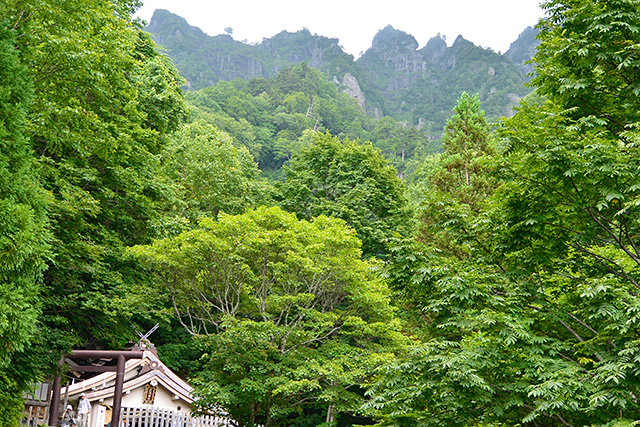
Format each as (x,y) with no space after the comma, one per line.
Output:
(117,392)
(55,398)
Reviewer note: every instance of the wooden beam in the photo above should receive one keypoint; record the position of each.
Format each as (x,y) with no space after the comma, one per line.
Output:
(93,368)
(122,356)
(104,354)
(55,399)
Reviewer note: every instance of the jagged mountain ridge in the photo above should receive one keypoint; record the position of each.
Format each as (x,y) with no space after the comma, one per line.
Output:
(422,85)
(393,77)
(204,60)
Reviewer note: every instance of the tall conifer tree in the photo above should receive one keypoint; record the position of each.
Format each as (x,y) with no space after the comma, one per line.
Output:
(456,182)
(22,227)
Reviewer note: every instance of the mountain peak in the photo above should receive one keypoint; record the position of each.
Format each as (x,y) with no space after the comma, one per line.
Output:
(392,77)
(163,19)
(289,34)
(523,49)
(435,47)
(461,41)
(389,37)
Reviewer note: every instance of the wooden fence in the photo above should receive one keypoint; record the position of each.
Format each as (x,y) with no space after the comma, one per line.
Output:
(36,405)
(156,417)
(35,413)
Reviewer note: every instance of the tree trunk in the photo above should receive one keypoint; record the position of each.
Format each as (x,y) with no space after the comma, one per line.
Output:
(254,410)
(269,422)
(331,414)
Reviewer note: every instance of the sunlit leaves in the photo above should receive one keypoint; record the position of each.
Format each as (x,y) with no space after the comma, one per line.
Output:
(207,174)
(104,103)
(547,287)
(588,59)
(286,310)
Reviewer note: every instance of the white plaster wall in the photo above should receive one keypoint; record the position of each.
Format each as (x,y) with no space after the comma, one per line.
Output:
(164,399)
(134,398)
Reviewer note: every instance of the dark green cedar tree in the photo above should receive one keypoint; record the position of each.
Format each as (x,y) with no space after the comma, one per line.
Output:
(23,231)
(450,188)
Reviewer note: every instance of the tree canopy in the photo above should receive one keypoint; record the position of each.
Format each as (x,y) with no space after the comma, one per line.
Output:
(287,313)
(536,326)
(348,180)
(270,117)
(501,290)
(24,232)
(207,174)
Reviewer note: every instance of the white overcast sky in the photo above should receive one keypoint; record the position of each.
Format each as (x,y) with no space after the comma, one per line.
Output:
(488,23)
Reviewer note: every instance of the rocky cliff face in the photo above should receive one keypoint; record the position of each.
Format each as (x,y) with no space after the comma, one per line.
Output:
(351,87)
(286,49)
(523,49)
(394,77)
(203,60)
(421,86)
(394,63)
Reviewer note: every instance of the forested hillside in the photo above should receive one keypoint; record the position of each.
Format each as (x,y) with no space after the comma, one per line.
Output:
(274,118)
(371,280)
(393,77)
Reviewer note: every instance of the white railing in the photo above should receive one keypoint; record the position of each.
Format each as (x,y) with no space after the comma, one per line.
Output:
(157,417)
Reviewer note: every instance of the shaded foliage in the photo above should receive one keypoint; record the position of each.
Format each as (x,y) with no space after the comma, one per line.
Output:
(348,180)
(23,231)
(104,101)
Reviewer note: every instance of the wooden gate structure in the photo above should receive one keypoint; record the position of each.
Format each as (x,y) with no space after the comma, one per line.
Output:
(121,357)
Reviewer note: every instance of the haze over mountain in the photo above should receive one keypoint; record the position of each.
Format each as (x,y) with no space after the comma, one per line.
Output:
(393,77)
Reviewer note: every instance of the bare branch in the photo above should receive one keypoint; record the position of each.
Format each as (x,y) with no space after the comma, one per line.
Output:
(622,273)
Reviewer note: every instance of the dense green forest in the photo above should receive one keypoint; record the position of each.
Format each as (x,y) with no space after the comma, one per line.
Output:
(273,119)
(309,264)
